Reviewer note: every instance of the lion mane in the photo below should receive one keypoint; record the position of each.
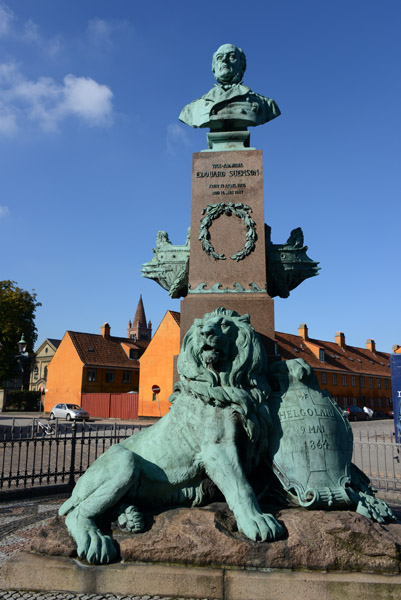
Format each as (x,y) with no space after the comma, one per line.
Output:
(223,363)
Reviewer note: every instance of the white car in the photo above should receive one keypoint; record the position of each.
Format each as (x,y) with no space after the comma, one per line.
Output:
(368,411)
(69,412)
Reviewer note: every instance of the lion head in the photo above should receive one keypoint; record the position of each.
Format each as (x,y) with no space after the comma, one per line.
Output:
(222,362)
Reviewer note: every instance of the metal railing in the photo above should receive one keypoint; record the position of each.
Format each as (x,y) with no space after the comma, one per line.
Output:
(379,457)
(52,453)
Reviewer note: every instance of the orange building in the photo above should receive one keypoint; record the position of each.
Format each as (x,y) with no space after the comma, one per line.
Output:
(352,375)
(157,367)
(90,363)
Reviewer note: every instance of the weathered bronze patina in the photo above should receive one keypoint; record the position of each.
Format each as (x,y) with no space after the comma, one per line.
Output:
(287,264)
(229,105)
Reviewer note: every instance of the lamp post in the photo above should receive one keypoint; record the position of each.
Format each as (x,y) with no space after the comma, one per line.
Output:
(23,355)
(22,345)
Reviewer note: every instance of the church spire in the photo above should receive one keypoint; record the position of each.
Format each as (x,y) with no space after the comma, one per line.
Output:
(139,329)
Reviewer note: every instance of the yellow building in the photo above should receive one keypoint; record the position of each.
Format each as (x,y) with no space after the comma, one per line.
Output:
(40,364)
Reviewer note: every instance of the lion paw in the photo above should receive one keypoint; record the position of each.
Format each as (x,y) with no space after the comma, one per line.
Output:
(131,519)
(92,544)
(96,546)
(374,508)
(260,526)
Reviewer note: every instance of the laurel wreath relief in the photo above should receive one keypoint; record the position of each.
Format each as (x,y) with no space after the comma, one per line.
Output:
(214,211)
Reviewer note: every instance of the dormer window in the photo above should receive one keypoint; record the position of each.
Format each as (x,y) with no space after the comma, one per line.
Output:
(322,355)
(134,353)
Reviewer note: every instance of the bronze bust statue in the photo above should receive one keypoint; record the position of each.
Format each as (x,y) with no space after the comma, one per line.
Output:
(229,105)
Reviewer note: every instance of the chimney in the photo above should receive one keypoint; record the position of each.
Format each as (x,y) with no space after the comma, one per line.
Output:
(303,331)
(340,339)
(396,348)
(370,345)
(105,331)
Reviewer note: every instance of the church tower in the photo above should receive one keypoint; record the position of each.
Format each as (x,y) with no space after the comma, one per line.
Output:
(137,329)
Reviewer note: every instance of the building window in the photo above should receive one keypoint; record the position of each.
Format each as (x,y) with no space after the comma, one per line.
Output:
(362,382)
(334,380)
(45,373)
(386,384)
(92,375)
(324,377)
(379,384)
(109,376)
(322,355)
(36,372)
(133,353)
(371,382)
(353,380)
(126,376)
(344,380)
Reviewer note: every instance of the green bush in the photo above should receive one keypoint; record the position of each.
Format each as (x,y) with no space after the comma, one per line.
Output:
(20,400)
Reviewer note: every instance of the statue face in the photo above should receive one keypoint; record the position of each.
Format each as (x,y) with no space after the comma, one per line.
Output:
(227,64)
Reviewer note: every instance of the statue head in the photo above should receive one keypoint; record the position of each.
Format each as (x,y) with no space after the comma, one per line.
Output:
(229,64)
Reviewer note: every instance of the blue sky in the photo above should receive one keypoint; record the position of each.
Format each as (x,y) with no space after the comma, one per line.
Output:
(93,159)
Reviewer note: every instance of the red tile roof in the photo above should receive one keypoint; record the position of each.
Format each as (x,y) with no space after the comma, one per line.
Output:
(97,351)
(176,316)
(350,359)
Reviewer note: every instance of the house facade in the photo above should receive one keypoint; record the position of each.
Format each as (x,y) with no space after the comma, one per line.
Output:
(88,363)
(157,367)
(40,363)
(352,375)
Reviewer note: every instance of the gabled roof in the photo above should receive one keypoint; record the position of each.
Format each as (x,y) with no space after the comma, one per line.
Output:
(350,359)
(51,341)
(98,351)
(54,342)
(176,316)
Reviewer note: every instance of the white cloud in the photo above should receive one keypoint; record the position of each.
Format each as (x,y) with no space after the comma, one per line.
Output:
(27,32)
(87,99)
(101,31)
(31,32)
(6,18)
(54,45)
(176,135)
(48,103)
(4,211)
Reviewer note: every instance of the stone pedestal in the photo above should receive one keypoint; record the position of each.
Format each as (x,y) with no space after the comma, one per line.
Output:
(198,553)
(227,265)
(259,306)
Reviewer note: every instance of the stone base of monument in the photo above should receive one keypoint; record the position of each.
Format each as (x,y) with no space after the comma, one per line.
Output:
(198,553)
(196,305)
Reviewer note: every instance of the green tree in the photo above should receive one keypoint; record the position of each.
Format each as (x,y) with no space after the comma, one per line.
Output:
(17,317)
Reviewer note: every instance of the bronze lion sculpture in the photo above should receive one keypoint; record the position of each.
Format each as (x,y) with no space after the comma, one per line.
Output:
(221,400)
